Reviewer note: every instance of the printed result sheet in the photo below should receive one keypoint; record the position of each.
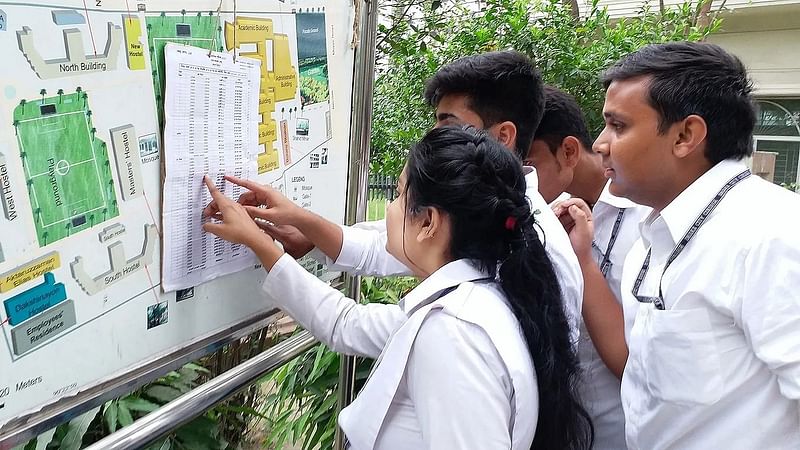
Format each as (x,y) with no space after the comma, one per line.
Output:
(211,115)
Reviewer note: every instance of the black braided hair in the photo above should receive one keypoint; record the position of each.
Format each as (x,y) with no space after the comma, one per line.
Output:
(479,184)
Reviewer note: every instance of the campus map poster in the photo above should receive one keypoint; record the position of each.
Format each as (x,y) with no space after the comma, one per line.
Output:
(81,120)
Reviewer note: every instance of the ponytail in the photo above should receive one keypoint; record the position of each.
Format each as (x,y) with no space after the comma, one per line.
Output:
(480,186)
(529,281)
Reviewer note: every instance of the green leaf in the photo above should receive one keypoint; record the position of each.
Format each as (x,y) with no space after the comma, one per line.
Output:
(302,420)
(124,415)
(161,445)
(316,369)
(76,429)
(110,415)
(139,404)
(201,433)
(244,410)
(163,394)
(197,368)
(30,445)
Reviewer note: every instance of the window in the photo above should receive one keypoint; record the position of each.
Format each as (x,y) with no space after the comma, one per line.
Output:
(778,131)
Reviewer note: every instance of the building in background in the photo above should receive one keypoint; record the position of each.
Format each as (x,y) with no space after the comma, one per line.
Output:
(765,34)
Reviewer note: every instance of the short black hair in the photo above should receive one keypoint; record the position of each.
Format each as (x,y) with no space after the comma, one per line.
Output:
(562,117)
(501,85)
(696,78)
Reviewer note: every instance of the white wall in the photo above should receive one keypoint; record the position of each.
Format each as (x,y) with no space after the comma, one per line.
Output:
(765,34)
(767,39)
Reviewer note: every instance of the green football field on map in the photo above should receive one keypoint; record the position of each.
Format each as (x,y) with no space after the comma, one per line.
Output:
(67,168)
(191,29)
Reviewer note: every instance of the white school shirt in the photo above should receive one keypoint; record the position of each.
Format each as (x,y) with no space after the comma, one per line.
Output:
(364,252)
(600,388)
(720,366)
(454,369)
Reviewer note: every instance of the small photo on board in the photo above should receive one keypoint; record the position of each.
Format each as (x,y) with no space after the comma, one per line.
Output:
(157,314)
(301,127)
(184,294)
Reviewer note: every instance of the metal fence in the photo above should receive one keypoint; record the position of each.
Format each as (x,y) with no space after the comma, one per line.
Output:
(380,191)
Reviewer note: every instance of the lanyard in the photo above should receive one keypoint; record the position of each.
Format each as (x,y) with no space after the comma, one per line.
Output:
(439,294)
(605,263)
(701,219)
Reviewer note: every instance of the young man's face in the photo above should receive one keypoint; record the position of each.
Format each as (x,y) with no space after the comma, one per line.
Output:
(636,157)
(554,177)
(453,109)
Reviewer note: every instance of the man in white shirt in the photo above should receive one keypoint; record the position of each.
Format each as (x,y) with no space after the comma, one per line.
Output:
(711,288)
(562,154)
(500,92)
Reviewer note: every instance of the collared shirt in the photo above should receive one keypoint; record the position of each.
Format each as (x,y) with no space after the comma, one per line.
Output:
(452,382)
(605,214)
(719,367)
(600,389)
(364,251)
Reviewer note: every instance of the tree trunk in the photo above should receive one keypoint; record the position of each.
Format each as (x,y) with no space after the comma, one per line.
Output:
(703,15)
(573,5)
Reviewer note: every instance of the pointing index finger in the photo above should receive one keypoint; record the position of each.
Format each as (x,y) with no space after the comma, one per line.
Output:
(215,193)
(249,184)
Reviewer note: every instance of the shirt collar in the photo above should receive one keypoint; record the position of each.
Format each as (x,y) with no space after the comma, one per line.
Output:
(606,197)
(685,208)
(531,178)
(450,275)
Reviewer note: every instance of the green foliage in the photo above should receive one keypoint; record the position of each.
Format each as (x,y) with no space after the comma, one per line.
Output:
(385,290)
(571,53)
(70,436)
(201,433)
(304,406)
(224,426)
(794,187)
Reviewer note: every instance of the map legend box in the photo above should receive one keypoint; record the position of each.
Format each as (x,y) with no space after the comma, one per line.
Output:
(22,307)
(40,329)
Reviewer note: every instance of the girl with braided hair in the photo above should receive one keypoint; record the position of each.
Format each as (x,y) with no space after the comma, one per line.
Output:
(478,356)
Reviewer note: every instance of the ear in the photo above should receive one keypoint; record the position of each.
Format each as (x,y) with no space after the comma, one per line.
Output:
(505,132)
(690,137)
(569,153)
(431,223)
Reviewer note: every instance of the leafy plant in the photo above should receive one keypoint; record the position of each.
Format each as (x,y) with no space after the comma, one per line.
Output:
(570,52)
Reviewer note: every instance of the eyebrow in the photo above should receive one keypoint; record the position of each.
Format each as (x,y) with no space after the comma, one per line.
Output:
(614,116)
(446,116)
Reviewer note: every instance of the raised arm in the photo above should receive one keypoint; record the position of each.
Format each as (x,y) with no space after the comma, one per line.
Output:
(359,250)
(602,314)
(334,319)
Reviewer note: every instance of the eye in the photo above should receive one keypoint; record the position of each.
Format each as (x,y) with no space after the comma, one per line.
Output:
(617,126)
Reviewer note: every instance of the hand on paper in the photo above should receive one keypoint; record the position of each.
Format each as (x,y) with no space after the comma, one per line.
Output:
(230,219)
(267,203)
(576,217)
(294,242)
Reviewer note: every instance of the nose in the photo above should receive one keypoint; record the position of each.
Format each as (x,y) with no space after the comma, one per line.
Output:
(600,144)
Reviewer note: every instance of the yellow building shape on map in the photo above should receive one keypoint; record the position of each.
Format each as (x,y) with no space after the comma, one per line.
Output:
(279,84)
(133,45)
